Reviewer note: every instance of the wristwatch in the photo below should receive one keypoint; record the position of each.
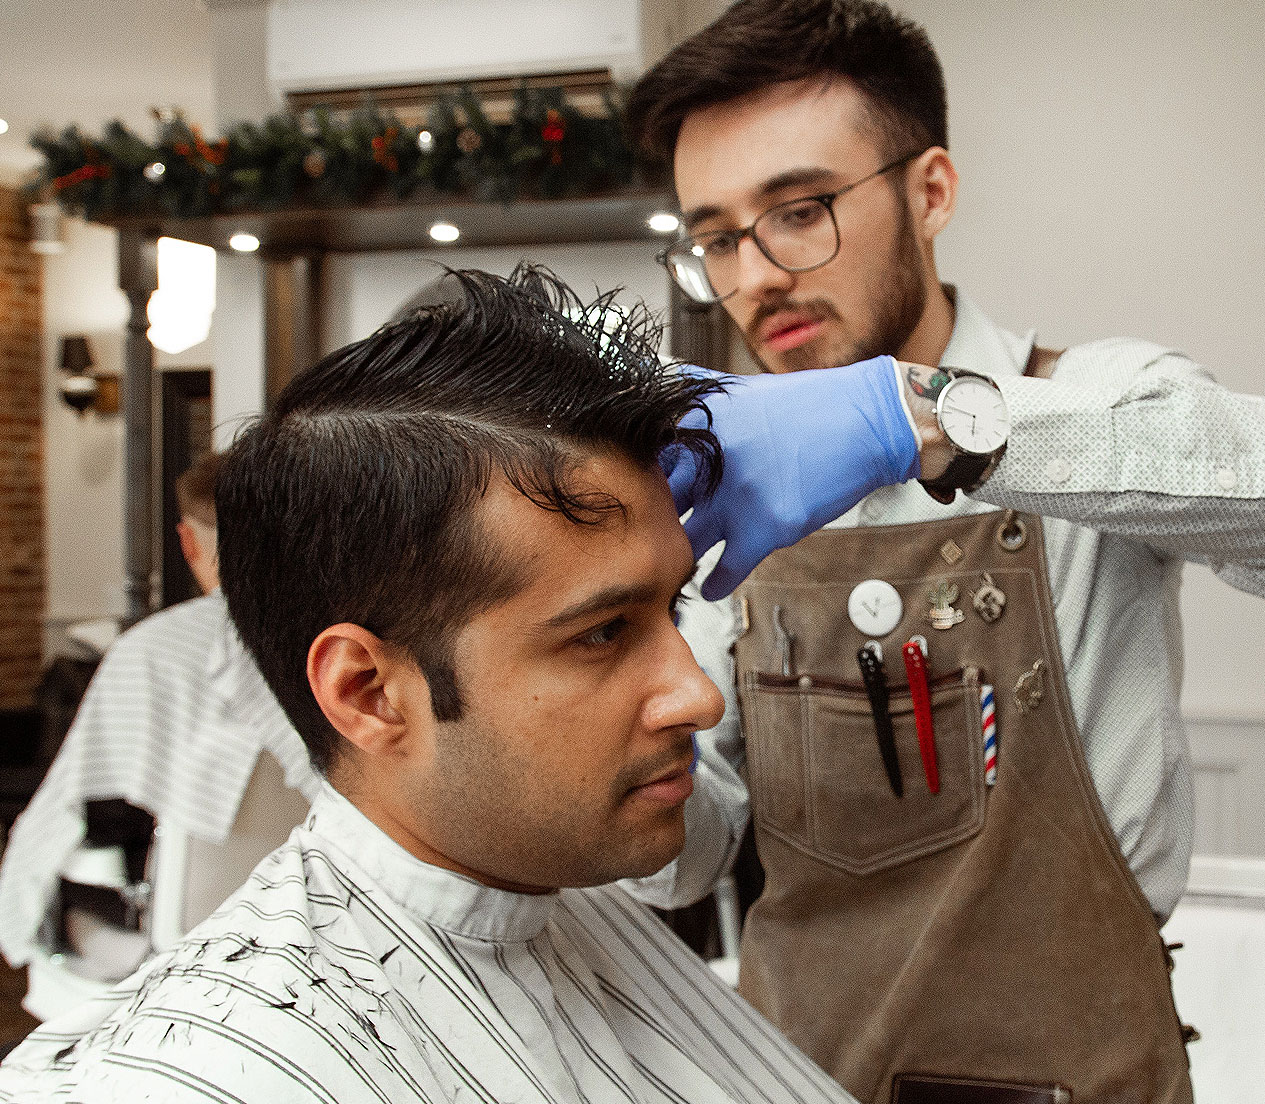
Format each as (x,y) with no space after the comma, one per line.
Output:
(974,419)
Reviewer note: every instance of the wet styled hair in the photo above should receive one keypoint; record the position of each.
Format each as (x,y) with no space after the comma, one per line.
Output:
(759,43)
(353,499)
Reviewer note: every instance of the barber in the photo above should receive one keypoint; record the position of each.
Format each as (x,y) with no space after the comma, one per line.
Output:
(967,897)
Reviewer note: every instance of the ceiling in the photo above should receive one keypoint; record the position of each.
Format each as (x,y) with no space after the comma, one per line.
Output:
(89,61)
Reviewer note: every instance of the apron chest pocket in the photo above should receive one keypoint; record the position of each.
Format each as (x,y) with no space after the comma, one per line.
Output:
(817,778)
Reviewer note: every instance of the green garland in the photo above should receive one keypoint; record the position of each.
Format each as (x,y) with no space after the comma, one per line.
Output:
(548,149)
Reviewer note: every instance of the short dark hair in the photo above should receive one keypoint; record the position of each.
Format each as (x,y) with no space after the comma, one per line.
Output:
(352,500)
(759,43)
(195,489)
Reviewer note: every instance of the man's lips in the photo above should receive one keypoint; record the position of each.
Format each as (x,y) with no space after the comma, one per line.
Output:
(671,787)
(785,331)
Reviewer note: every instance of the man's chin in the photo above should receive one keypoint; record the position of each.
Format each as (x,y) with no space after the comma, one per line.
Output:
(654,854)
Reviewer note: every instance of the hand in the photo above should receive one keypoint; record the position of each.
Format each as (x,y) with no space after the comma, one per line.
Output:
(800,449)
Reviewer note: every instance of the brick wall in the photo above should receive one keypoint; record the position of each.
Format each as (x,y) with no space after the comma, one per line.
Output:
(21,459)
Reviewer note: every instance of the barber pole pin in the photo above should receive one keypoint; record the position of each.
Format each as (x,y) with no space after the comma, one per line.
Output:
(988,711)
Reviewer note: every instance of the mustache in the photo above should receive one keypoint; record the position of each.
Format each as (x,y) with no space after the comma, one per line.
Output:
(818,309)
(638,774)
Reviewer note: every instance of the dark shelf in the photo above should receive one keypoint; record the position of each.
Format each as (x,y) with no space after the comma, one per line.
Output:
(618,216)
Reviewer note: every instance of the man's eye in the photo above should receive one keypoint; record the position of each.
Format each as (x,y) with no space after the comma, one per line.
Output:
(716,245)
(605,633)
(798,216)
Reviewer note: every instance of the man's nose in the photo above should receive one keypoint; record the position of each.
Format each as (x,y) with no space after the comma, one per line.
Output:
(758,277)
(687,698)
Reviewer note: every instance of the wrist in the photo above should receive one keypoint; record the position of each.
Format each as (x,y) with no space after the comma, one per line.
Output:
(934,451)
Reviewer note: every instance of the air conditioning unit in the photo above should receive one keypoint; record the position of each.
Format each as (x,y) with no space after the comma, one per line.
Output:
(330,45)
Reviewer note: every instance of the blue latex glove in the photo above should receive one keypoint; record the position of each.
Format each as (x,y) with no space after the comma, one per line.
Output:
(800,449)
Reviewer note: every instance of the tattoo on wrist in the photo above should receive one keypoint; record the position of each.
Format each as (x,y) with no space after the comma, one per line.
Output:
(925,382)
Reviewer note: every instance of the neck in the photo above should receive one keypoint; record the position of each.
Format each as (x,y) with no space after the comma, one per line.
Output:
(930,338)
(402,827)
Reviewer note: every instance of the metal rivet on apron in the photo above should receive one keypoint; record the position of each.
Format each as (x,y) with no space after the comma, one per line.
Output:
(1030,688)
(951,552)
(805,682)
(989,601)
(874,607)
(1012,533)
(942,615)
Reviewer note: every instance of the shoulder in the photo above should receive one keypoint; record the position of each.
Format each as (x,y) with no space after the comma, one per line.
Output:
(178,634)
(1120,360)
(251,1006)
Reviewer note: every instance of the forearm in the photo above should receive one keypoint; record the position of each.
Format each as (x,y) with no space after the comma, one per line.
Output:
(1151,450)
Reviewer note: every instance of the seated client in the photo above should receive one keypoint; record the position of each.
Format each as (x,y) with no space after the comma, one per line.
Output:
(453,555)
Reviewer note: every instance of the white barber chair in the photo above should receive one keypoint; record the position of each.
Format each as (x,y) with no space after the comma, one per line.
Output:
(1219,981)
(188,878)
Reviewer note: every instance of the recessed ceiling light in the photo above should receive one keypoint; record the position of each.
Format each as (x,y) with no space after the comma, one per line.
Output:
(444,232)
(662,222)
(4,126)
(243,242)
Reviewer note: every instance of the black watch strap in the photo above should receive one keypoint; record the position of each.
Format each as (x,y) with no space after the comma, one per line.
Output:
(966,471)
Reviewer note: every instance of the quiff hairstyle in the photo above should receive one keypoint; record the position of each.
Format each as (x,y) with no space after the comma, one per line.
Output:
(355,498)
(756,44)
(195,489)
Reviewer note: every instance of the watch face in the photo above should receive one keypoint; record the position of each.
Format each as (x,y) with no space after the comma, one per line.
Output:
(973,415)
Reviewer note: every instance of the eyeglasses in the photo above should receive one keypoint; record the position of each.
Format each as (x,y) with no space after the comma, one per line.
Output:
(797,236)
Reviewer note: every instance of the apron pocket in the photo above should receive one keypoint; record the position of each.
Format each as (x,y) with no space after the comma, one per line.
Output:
(777,760)
(818,781)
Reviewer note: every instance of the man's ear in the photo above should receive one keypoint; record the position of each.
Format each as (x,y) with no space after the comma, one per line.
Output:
(188,542)
(197,542)
(357,681)
(933,191)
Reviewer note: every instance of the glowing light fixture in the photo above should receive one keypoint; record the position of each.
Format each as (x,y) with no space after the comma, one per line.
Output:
(662,222)
(425,141)
(180,310)
(243,242)
(444,232)
(4,126)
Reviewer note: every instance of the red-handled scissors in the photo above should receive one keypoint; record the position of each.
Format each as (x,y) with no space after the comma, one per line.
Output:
(915,653)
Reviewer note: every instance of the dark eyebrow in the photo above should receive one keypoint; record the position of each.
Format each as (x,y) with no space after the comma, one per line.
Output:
(611,597)
(806,177)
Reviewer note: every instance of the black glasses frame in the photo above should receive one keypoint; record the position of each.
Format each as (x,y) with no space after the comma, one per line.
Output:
(826,199)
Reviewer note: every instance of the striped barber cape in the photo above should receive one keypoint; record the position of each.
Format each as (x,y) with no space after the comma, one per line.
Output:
(173,722)
(346,970)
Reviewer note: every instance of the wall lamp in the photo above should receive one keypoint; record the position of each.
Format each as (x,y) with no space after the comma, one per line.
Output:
(82,389)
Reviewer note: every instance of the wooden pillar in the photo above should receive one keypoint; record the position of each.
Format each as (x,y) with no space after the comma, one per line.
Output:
(138,277)
(292,319)
(700,331)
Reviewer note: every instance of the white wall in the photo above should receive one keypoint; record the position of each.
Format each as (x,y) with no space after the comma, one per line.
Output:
(237,338)
(83,456)
(364,291)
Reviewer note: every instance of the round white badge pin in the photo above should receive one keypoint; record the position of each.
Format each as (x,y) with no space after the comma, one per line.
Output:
(874,607)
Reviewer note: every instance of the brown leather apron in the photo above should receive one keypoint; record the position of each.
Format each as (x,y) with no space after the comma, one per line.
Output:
(983,932)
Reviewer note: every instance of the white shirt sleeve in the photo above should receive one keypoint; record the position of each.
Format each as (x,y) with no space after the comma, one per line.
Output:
(1130,439)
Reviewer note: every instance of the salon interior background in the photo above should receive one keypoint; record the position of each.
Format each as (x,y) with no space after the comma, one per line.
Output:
(1110,159)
